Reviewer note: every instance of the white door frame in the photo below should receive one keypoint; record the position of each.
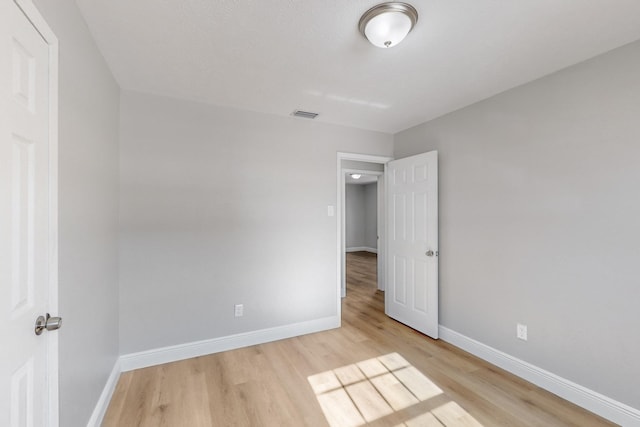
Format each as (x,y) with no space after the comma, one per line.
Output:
(382,232)
(32,13)
(340,226)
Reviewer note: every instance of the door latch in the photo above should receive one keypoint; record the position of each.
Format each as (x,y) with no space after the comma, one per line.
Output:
(47,322)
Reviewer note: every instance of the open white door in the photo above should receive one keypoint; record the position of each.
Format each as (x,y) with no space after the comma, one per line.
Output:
(412,257)
(28,224)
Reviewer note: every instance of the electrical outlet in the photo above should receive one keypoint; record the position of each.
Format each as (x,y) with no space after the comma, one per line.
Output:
(521,331)
(239,310)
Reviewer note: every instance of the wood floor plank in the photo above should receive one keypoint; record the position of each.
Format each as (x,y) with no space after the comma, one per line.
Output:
(273,384)
(372,367)
(394,392)
(368,400)
(339,409)
(324,382)
(424,420)
(393,361)
(452,415)
(417,383)
(349,374)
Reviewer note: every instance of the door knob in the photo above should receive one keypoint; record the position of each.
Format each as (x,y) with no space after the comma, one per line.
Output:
(431,253)
(47,322)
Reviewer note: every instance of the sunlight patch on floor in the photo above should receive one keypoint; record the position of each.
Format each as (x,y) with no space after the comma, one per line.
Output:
(353,395)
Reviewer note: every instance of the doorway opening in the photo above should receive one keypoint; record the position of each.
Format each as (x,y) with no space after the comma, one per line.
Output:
(365,165)
(361,230)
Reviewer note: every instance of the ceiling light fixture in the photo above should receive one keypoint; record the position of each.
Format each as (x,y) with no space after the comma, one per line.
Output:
(387,24)
(355,175)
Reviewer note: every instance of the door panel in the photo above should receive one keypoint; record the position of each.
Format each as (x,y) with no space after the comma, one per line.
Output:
(420,293)
(412,279)
(24,218)
(400,280)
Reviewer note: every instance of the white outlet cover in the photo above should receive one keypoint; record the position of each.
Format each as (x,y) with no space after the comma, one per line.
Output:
(521,331)
(239,310)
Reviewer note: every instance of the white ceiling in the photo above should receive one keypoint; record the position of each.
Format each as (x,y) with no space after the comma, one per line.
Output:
(275,56)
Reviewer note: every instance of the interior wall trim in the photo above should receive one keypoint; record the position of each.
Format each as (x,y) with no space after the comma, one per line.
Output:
(158,356)
(591,400)
(105,397)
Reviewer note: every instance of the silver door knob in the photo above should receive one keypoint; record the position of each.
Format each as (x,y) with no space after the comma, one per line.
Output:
(47,322)
(430,253)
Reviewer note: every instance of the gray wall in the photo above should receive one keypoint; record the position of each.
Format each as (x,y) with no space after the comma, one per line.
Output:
(354,212)
(539,220)
(371,215)
(88,182)
(361,216)
(221,206)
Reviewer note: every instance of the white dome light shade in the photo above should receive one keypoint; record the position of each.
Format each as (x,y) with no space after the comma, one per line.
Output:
(388,29)
(387,24)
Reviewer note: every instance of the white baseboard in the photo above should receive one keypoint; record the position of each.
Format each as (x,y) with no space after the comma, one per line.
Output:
(362,249)
(105,397)
(174,353)
(592,401)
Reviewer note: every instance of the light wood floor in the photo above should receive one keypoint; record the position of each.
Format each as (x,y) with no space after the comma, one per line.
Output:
(411,380)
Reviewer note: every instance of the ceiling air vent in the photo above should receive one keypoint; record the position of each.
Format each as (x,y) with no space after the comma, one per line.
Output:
(305,114)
